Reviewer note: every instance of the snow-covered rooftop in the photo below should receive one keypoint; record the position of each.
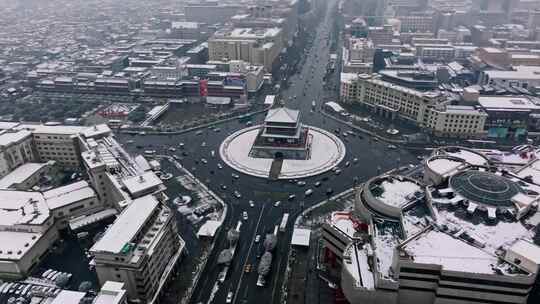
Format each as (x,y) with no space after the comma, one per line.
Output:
(468,156)
(127,225)
(508,102)
(386,239)
(397,192)
(68,194)
(9,138)
(69,297)
(443,166)
(22,208)
(140,183)
(435,247)
(503,233)
(301,237)
(282,115)
(358,266)
(14,244)
(20,174)
(344,223)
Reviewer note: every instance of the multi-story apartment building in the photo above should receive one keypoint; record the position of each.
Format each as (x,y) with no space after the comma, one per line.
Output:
(381,34)
(60,143)
(416,23)
(358,56)
(436,52)
(15,150)
(141,249)
(23,143)
(115,175)
(429,109)
(456,121)
(394,100)
(146,231)
(348,88)
(26,235)
(361,49)
(256,46)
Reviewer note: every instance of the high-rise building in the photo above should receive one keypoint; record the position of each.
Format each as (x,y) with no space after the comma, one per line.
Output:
(142,249)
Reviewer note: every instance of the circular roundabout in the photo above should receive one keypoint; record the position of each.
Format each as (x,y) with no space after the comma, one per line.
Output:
(485,188)
(326,152)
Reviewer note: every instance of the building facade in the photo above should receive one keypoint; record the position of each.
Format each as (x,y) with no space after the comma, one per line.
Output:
(429,110)
(141,249)
(256,46)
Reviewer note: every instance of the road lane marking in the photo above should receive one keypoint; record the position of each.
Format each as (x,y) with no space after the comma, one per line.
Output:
(248,254)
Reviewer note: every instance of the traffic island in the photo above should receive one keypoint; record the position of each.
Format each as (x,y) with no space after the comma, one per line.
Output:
(325,152)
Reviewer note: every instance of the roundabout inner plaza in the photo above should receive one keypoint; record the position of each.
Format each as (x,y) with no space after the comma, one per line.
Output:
(282,148)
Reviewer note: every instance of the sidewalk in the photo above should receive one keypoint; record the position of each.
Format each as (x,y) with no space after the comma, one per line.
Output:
(207,249)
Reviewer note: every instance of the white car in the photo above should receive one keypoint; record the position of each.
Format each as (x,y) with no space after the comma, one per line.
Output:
(204,161)
(236,176)
(318,184)
(251,203)
(276,204)
(222,276)
(257,238)
(229,297)
(308,192)
(292,197)
(245,215)
(301,183)
(220,166)
(237,194)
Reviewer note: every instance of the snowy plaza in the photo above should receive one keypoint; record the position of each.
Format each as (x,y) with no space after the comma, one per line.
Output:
(326,152)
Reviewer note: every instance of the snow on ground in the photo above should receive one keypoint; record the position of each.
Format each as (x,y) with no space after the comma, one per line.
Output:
(235,152)
(327,151)
(435,247)
(494,236)
(396,192)
(470,157)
